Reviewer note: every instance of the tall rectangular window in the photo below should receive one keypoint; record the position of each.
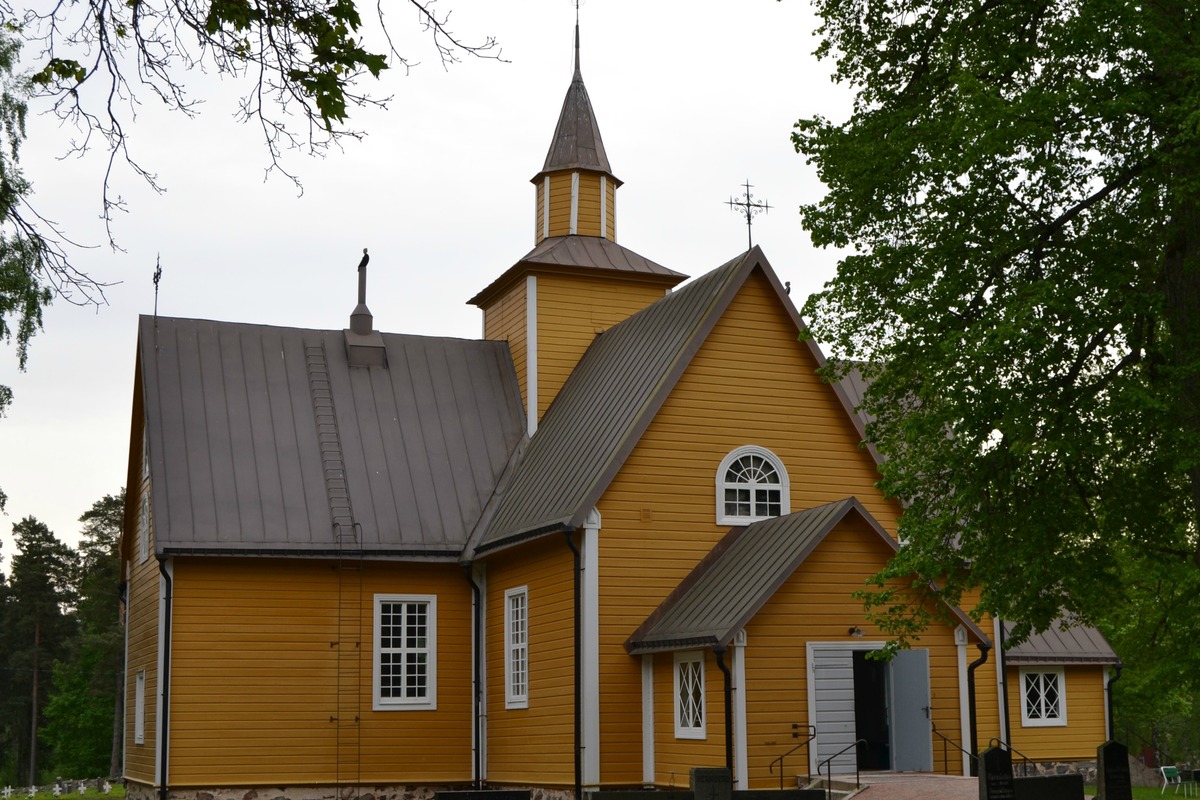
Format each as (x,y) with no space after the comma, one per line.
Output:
(689,695)
(143,531)
(139,708)
(405,663)
(516,648)
(1043,697)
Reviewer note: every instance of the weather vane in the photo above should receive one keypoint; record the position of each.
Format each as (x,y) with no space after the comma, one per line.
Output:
(749,207)
(157,278)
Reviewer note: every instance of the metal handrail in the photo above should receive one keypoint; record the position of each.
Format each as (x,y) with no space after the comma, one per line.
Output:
(1025,760)
(812,734)
(946,740)
(829,761)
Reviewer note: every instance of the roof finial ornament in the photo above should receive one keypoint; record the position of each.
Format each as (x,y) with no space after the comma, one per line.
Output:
(577,73)
(361,320)
(749,207)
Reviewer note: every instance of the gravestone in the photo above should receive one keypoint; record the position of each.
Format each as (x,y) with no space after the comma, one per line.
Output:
(1112,772)
(995,775)
(1050,787)
(711,783)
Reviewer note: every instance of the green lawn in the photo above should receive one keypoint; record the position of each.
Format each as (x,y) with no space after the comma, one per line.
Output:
(1146,793)
(117,793)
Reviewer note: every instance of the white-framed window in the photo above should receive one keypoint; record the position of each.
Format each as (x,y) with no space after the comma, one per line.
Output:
(689,695)
(1043,696)
(405,663)
(751,485)
(143,531)
(139,708)
(516,648)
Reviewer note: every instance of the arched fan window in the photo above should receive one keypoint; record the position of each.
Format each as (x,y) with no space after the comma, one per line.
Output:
(751,485)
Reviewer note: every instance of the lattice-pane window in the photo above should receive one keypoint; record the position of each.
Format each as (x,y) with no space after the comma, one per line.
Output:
(751,485)
(139,708)
(143,531)
(516,645)
(689,695)
(1043,697)
(405,651)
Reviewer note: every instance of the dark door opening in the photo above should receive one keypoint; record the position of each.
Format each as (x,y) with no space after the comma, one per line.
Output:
(871,712)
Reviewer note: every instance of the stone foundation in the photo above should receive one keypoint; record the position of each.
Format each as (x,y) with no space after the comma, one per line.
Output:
(1037,768)
(141,791)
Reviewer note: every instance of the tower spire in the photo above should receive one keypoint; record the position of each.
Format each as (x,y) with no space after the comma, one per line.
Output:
(577,73)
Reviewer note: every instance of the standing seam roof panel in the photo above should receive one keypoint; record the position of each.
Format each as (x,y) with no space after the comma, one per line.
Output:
(605,397)
(236,459)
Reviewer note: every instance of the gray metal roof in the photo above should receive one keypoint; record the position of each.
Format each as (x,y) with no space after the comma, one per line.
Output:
(603,407)
(1063,643)
(577,143)
(582,254)
(741,573)
(260,437)
(611,397)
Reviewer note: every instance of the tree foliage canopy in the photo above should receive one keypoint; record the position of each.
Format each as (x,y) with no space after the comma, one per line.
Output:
(91,63)
(1019,184)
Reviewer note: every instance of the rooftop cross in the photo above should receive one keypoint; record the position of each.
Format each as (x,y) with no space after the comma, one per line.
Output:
(749,207)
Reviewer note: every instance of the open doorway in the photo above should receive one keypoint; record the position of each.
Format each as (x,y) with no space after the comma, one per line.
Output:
(871,712)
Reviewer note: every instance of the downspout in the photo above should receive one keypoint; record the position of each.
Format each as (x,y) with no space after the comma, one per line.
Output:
(1002,670)
(164,681)
(1112,721)
(570,535)
(984,647)
(719,652)
(477,636)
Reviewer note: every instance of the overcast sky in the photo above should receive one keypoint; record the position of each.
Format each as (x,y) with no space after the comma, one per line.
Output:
(692,98)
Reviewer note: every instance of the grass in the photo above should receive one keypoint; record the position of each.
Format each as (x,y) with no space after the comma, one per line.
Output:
(117,793)
(1144,793)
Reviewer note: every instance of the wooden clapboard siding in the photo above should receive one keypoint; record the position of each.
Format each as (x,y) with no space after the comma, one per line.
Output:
(588,220)
(815,605)
(673,758)
(255,679)
(1085,729)
(987,695)
(751,382)
(505,320)
(533,744)
(610,189)
(560,204)
(572,309)
(538,226)
(142,613)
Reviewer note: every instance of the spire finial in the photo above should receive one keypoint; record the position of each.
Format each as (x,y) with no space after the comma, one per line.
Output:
(749,207)
(577,38)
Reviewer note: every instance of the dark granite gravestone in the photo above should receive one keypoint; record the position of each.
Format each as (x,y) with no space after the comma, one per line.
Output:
(712,783)
(995,775)
(1112,772)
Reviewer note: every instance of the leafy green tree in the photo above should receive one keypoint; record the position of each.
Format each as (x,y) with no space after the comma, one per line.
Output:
(1019,188)
(83,714)
(38,628)
(301,60)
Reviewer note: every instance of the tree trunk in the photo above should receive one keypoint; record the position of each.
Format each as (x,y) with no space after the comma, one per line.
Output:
(33,726)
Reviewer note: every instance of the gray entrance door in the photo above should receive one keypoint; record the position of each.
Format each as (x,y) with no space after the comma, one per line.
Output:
(833,708)
(912,734)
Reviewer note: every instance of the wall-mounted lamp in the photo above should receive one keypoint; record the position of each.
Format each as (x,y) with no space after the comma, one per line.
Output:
(856,632)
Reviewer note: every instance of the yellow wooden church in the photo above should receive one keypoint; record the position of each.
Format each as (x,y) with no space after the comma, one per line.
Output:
(614,540)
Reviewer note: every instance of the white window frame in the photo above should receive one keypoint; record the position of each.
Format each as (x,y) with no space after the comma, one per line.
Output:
(143,531)
(1042,721)
(139,708)
(429,700)
(691,661)
(516,648)
(785,494)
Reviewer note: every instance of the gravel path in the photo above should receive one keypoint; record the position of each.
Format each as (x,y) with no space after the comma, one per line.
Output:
(902,787)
